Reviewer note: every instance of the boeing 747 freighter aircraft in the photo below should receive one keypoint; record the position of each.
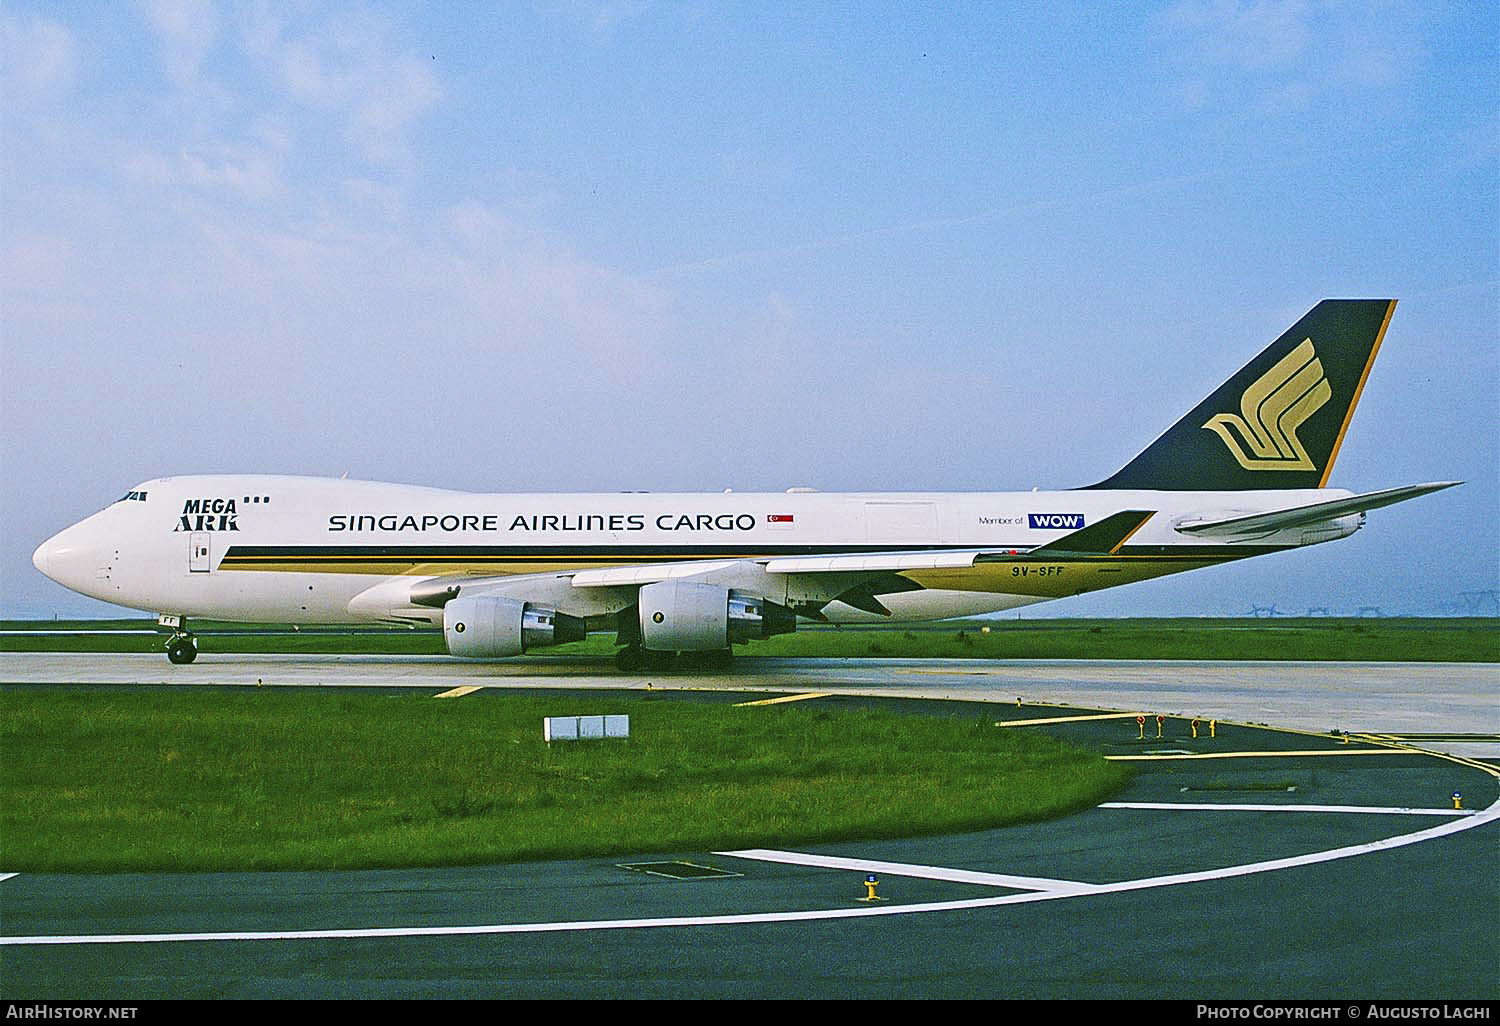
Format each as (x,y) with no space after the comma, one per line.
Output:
(1243,474)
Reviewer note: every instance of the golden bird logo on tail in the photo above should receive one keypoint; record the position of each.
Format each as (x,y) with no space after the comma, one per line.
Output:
(1271,411)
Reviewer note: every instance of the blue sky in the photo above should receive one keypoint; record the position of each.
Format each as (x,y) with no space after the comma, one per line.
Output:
(597,246)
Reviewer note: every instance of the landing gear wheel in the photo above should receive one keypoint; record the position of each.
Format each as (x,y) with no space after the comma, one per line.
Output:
(628,659)
(654,660)
(182,649)
(720,660)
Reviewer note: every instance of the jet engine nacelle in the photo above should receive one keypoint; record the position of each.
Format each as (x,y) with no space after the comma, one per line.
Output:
(487,626)
(688,616)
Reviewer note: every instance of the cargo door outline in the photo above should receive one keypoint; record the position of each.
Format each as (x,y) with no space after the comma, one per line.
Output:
(200,552)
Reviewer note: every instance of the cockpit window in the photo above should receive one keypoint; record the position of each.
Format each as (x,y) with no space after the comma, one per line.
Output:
(132,497)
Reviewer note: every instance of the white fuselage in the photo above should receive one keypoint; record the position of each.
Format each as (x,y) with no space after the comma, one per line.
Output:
(305,550)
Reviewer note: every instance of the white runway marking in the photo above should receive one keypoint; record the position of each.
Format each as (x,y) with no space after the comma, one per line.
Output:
(1066,719)
(1431,833)
(1228,807)
(1023,883)
(6,876)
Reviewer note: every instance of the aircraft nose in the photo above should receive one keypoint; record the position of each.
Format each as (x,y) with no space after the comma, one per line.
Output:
(70,557)
(42,557)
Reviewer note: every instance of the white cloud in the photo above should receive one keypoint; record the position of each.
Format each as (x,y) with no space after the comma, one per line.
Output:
(598,17)
(1258,34)
(38,58)
(1278,54)
(377,201)
(186,30)
(248,171)
(348,66)
(395,96)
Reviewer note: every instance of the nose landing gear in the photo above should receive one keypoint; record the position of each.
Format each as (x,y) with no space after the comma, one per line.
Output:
(182,646)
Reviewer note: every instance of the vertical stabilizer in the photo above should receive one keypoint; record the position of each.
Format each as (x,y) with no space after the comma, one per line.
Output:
(1279,422)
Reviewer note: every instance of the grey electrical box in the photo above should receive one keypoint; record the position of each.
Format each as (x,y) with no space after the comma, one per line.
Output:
(584,728)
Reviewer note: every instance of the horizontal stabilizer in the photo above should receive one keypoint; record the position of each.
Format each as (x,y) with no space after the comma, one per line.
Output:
(1104,537)
(1302,516)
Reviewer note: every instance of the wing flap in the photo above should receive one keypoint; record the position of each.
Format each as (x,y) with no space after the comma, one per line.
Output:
(874,561)
(647,573)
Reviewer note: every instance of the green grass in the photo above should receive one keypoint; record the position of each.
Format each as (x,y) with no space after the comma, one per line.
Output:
(106,780)
(1403,639)
(125,635)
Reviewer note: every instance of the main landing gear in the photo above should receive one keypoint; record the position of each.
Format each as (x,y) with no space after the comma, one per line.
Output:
(633,657)
(182,646)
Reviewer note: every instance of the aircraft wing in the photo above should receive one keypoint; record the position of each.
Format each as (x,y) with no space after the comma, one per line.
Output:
(855,578)
(857,562)
(1318,512)
(1104,537)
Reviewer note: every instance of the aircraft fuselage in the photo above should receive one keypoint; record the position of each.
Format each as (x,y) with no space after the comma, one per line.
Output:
(302,550)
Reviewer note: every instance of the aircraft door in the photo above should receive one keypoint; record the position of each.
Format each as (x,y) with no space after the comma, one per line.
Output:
(200,552)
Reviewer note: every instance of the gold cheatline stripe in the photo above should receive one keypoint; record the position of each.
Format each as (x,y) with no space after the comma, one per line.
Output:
(1116,550)
(233,561)
(407,558)
(398,563)
(1338,440)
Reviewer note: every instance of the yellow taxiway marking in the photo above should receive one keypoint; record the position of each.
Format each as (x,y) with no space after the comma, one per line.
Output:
(459,692)
(1263,755)
(784,698)
(1399,745)
(1066,719)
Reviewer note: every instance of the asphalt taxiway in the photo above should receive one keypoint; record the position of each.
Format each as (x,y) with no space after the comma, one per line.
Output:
(1353,876)
(1428,699)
